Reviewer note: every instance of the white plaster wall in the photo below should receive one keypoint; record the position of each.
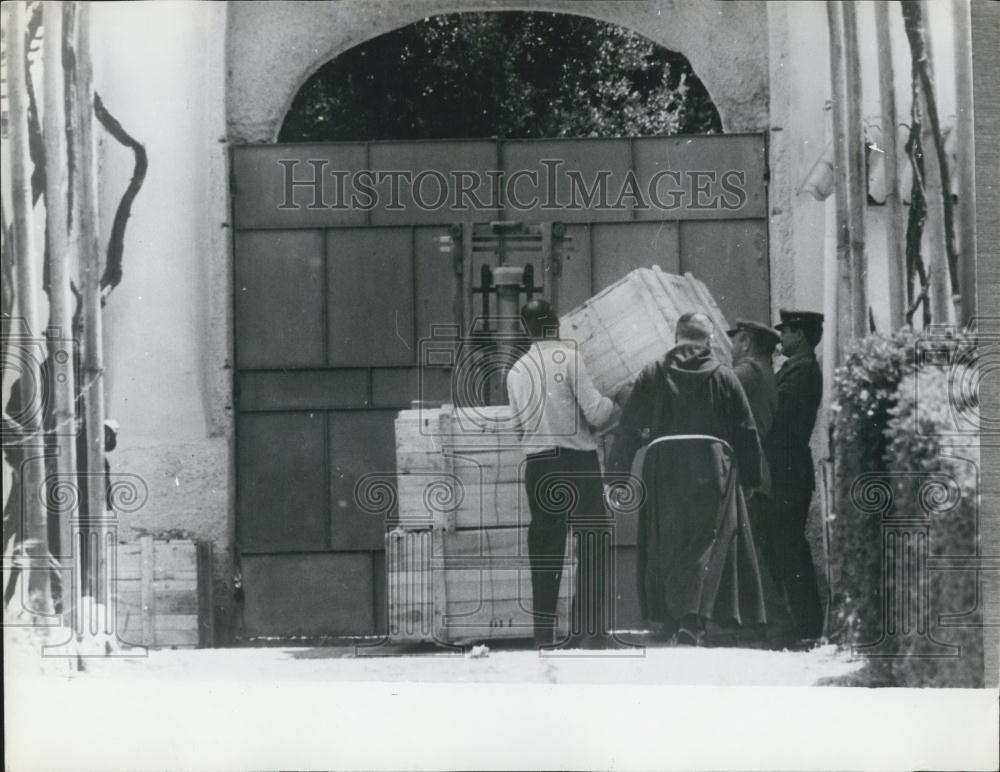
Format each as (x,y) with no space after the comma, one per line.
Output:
(799,106)
(160,70)
(801,130)
(940,29)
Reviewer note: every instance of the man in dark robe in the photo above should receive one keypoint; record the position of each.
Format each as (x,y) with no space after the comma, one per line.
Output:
(696,558)
(800,390)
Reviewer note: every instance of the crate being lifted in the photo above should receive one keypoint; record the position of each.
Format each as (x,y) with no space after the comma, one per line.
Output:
(630,325)
(456,553)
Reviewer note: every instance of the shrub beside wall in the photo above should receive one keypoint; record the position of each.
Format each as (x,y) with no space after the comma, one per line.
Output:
(900,453)
(940,481)
(865,390)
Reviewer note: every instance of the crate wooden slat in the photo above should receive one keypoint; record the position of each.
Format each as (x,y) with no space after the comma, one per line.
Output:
(163,593)
(408,584)
(631,324)
(457,563)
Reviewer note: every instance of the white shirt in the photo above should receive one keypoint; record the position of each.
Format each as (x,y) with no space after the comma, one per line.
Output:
(554,400)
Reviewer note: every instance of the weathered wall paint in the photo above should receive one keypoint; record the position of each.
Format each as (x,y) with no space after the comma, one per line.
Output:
(161,71)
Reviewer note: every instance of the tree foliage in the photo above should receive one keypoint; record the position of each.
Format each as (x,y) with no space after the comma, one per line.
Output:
(522,75)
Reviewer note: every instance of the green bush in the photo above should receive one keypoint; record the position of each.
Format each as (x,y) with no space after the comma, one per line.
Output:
(941,482)
(898,451)
(865,391)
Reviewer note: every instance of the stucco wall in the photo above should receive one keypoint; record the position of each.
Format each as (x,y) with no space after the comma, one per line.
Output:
(160,69)
(274,47)
(802,243)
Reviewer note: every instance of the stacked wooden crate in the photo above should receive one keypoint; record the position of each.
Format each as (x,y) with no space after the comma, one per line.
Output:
(457,557)
(632,324)
(163,593)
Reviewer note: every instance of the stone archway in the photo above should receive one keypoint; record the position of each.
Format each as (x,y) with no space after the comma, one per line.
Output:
(274,48)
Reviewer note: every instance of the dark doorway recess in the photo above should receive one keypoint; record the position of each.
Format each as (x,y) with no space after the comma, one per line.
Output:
(507,74)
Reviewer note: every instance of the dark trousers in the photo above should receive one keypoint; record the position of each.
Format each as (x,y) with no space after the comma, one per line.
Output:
(566,494)
(790,558)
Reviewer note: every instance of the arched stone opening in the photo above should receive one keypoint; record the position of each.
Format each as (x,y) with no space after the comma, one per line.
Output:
(273,51)
(502,74)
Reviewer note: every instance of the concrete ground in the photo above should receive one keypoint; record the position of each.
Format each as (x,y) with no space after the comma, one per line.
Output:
(651,665)
(500,708)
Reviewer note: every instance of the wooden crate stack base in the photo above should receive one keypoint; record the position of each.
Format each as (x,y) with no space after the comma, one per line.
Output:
(163,592)
(457,563)
(476,587)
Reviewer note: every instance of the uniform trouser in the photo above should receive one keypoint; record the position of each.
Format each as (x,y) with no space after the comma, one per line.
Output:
(790,558)
(565,492)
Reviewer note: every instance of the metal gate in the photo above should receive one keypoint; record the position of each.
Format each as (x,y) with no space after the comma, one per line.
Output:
(348,255)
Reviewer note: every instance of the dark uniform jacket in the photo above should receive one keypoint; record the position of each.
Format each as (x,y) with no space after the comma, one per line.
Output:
(759,384)
(800,390)
(761,388)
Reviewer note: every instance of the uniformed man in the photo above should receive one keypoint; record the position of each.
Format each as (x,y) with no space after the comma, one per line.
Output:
(800,389)
(753,350)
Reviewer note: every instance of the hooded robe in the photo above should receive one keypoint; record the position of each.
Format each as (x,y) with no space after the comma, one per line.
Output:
(695,548)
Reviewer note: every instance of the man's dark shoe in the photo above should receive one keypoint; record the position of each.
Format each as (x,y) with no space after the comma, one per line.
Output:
(687,637)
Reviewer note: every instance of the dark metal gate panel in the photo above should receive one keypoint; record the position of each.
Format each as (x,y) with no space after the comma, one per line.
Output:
(282,482)
(360,441)
(313,594)
(260,190)
(333,304)
(270,390)
(623,247)
(436,282)
(707,173)
(731,256)
(427,159)
(370,297)
(279,299)
(587,157)
(576,280)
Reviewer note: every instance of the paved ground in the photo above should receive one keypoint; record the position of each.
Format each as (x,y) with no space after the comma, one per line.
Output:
(659,665)
(320,708)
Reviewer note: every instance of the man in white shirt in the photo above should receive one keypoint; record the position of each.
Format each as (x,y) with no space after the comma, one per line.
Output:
(557,409)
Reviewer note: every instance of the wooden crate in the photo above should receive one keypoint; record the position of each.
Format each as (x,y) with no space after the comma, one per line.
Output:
(631,325)
(464,586)
(163,593)
(457,561)
(408,584)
